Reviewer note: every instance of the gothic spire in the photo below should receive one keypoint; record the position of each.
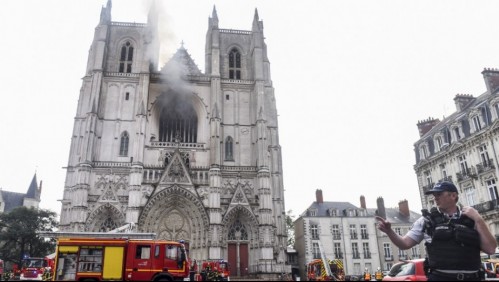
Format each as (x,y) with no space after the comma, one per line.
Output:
(213,20)
(105,13)
(256,21)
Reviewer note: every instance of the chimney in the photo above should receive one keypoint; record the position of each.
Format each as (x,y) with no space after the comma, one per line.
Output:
(404,208)
(381,207)
(318,196)
(491,77)
(462,101)
(426,125)
(362,202)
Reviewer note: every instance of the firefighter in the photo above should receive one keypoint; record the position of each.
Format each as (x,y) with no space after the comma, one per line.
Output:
(367,275)
(378,275)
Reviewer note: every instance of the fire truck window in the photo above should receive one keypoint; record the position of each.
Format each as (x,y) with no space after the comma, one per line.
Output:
(156,251)
(143,252)
(171,252)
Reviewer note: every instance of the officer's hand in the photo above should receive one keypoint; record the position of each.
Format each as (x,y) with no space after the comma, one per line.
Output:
(383,225)
(471,213)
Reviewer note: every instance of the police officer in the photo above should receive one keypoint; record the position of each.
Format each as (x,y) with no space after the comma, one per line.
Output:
(454,236)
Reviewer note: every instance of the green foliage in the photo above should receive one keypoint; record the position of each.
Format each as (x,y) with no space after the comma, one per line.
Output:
(290,228)
(18,233)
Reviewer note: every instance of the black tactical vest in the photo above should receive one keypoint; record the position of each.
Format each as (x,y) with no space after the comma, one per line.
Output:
(455,244)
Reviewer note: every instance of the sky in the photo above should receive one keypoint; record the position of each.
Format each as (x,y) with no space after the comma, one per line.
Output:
(352,79)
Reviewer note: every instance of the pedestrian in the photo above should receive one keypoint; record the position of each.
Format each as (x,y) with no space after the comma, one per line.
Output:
(454,236)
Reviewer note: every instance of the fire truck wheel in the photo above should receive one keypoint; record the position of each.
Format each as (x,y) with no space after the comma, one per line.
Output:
(163,278)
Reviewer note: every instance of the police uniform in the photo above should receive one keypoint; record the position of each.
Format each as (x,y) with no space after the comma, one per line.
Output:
(452,243)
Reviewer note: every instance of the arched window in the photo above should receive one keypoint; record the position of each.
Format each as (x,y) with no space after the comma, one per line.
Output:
(178,122)
(229,145)
(124,144)
(126,57)
(234,64)
(237,231)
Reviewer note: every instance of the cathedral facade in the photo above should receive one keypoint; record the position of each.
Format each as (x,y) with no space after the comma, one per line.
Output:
(184,154)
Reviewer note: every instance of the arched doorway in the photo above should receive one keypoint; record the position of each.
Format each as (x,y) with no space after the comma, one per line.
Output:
(238,249)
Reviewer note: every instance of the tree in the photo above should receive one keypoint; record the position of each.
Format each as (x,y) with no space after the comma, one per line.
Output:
(290,228)
(18,235)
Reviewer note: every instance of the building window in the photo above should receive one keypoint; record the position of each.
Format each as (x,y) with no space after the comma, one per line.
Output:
(438,143)
(443,172)
(363,231)
(178,122)
(234,64)
(337,251)
(463,165)
(315,251)
(415,252)
(229,145)
(127,96)
(353,231)
(355,251)
(484,156)
(429,180)
(126,58)
(477,125)
(365,249)
(423,151)
(314,230)
(312,212)
(124,144)
(336,232)
(398,230)
(402,254)
(492,188)
(470,195)
(456,132)
(387,251)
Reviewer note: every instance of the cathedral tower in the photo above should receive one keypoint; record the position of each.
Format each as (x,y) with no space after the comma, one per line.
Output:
(178,152)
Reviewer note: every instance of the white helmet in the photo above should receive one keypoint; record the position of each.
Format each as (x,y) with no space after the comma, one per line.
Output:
(379,268)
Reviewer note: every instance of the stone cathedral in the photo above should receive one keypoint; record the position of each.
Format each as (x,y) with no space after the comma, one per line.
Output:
(184,154)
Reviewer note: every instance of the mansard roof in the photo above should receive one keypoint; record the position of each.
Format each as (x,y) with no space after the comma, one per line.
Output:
(181,63)
(322,208)
(394,216)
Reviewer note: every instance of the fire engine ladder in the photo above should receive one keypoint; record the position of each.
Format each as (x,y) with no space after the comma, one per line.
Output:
(120,232)
(324,260)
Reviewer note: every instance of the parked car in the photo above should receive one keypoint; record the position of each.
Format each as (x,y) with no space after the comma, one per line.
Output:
(407,270)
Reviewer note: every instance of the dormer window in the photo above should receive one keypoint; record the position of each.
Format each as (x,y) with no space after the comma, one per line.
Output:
(126,58)
(423,151)
(438,141)
(234,64)
(457,132)
(332,212)
(476,121)
(312,212)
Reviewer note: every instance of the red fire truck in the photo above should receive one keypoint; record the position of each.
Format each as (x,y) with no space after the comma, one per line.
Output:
(120,259)
(35,268)
(215,270)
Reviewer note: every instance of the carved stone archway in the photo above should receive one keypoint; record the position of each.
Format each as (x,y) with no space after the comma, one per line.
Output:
(105,218)
(174,213)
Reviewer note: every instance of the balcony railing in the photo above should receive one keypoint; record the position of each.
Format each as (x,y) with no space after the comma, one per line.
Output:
(356,255)
(485,166)
(467,173)
(338,255)
(353,235)
(336,236)
(487,206)
(388,258)
(367,255)
(401,257)
(316,255)
(364,236)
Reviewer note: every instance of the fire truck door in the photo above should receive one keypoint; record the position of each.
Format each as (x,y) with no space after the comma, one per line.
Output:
(141,266)
(113,263)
